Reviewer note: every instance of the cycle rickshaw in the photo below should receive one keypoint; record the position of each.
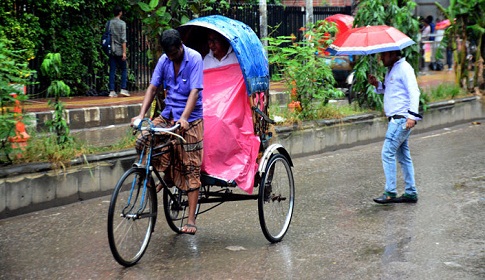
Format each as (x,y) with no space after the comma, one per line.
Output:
(238,153)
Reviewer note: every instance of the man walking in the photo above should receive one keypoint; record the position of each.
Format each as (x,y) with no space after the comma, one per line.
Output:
(401,104)
(117,58)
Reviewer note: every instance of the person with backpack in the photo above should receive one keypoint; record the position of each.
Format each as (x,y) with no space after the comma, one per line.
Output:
(117,57)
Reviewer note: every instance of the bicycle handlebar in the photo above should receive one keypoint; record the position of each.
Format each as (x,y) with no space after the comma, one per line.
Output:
(137,126)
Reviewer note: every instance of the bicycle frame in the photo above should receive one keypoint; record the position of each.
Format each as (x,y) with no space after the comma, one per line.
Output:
(149,155)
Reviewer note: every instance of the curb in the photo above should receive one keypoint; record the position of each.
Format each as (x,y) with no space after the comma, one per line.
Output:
(32,187)
(90,117)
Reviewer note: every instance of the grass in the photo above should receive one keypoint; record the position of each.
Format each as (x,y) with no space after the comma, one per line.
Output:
(43,148)
(444,92)
(328,111)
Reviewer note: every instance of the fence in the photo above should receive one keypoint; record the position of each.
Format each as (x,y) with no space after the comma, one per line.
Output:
(288,20)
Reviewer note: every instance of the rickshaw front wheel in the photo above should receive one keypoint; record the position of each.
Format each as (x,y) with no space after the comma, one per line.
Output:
(131,216)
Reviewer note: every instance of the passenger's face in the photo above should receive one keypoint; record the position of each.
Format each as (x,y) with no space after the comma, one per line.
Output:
(216,45)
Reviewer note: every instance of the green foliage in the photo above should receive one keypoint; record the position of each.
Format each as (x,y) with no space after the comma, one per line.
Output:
(396,13)
(44,148)
(329,112)
(51,67)
(20,28)
(307,77)
(14,72)
(158,16)
(467,21)
(444,92)
(72,28)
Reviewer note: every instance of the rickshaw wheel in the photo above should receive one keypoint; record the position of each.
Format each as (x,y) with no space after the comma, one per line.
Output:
(131,217)
(276,198)
(176,212)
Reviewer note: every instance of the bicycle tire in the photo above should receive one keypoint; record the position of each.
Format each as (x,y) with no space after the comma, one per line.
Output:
(130,224)
(276,198)
(176,212)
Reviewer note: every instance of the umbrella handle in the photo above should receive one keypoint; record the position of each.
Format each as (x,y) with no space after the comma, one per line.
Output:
(370,68)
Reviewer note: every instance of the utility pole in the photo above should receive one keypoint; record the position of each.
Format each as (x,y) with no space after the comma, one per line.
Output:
(263,21)
(309,12)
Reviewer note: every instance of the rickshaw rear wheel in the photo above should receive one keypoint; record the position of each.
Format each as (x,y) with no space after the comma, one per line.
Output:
(176,211)
(276,198)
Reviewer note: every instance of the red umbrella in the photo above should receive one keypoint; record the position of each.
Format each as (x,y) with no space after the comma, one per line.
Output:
(369,40)
(443,24)
(343,22)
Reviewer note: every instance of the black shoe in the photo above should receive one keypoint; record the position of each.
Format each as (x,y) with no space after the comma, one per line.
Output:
(385,199)
(407,198)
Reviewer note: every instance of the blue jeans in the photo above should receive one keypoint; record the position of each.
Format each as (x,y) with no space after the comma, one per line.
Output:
(396,148)
(449,58)
(115,61)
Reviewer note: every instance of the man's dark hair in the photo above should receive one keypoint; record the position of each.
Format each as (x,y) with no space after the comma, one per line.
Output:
(117,10)
(398,53)
(170,39)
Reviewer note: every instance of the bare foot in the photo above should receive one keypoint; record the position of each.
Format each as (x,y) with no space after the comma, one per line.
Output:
(189,229)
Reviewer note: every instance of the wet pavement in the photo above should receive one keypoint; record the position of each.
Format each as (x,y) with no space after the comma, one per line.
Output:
(337,232)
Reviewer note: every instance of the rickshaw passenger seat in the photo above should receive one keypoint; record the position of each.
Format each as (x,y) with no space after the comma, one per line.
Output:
(209,180)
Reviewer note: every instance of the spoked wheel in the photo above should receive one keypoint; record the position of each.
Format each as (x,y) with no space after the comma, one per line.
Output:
(276,198)
(177,209)
(131,217)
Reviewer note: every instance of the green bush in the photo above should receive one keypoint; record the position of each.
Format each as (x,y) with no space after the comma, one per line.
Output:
(14,74)
(307,77)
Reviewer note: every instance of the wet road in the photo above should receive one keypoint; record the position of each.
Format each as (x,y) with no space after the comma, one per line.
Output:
(337,231)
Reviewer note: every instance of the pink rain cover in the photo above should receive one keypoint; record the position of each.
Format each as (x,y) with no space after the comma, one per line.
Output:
(230,146)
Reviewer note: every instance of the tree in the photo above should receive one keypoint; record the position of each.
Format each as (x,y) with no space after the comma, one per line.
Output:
(158,16)
(13,72)
(466,18)
(51,68)
(398,14)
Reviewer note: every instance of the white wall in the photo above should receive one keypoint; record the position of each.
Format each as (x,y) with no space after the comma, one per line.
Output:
(428,7)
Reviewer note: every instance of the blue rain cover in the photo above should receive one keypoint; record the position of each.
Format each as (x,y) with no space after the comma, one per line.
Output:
(245,43)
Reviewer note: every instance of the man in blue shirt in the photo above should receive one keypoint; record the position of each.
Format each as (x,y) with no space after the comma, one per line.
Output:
(401,104)
(179,71)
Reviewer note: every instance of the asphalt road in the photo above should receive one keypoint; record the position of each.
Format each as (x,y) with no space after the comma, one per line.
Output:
(337,231)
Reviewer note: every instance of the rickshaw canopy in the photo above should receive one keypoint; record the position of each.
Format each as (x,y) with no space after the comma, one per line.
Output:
(245,43)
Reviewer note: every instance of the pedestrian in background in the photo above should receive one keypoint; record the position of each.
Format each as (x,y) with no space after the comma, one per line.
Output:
(401,103)
(432,26)
(117,58)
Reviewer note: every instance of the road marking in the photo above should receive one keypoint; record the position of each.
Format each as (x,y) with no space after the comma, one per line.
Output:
(448,131)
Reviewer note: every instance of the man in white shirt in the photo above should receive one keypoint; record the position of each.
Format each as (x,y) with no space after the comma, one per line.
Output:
(221,52)
(401,105)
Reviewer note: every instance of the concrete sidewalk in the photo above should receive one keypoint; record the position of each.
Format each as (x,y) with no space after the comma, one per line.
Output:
(425,79)
(91,118)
